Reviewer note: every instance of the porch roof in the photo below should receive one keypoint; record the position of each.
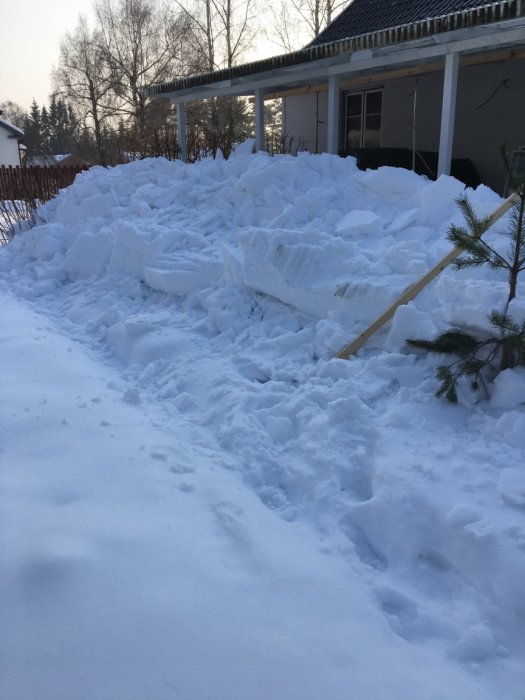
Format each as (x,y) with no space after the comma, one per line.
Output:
(418,27)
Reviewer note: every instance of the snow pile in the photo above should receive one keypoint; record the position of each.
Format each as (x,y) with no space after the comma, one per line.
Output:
(315,232)
(217,295)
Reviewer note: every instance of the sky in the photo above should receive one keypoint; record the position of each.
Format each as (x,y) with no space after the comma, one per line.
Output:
(30,35)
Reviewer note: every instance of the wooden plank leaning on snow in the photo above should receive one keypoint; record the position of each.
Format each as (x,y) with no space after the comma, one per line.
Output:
(414,290)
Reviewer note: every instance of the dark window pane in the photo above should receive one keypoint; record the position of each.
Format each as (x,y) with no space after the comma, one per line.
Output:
(372,139)
(353,132)
(373,122)
(354,105)
(372,135)
(373,102)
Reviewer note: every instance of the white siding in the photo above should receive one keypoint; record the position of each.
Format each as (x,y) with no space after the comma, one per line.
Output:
(8,149)
(304,121)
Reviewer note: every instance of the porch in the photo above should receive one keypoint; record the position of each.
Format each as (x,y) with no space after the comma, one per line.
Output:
(438,83)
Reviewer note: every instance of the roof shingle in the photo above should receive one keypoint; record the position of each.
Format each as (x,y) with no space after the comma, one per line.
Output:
(368,16)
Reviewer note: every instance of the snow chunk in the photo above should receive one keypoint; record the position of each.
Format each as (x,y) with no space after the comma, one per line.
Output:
(475,644)
(409,323)
(89,255)
(511,426)
(438,200)
(403,221)
(511,487)
(245,148)
(462,515)
(131,396)
(359,222)
(182,272)
(280,428)
(389,181)
(509,389)
(477,297)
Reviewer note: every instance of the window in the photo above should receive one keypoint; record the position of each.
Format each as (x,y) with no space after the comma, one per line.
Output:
(363,119)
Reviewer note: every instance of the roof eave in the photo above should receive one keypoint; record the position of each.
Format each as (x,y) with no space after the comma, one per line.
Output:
(507,33)
(14,130)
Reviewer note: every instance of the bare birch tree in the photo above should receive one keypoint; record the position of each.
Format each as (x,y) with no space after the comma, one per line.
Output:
(235,19)
(202,34)
(84,78)
(221,32)
(295,22)
(222,29)
(142,44)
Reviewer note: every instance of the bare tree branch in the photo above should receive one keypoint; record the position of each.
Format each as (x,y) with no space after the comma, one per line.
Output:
(292,17)
(84,78)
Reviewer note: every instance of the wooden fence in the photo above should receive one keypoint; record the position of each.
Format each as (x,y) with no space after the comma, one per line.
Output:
(35,183)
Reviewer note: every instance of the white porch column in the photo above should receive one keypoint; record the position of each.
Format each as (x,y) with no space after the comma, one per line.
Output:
(448,113)
(260,144)
(181,131)
(334,114)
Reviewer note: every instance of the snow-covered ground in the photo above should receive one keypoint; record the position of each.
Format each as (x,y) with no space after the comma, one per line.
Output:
(198,502)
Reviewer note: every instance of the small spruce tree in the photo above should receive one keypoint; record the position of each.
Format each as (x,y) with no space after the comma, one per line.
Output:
(480,360)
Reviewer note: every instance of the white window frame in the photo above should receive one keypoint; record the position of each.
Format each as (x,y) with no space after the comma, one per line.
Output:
(363,116)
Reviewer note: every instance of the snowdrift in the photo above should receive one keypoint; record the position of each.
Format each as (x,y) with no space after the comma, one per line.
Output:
(219,293)
(313,231)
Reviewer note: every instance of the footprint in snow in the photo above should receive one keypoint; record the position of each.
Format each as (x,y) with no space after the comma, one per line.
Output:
(232,521)
(53,568)
(181,469)
(363,548)
(160,456)
(402,614)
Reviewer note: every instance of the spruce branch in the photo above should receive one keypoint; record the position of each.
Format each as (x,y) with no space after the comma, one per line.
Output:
(470,239)
(476,360)
(480,360)
(455,342)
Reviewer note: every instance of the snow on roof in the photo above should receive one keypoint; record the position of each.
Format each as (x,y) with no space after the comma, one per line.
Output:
(11,128)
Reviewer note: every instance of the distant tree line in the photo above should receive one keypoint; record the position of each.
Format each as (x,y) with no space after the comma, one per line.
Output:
(51,130)
(99,111)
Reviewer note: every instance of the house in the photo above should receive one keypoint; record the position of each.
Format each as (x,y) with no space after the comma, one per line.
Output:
(10,143)
(443,79)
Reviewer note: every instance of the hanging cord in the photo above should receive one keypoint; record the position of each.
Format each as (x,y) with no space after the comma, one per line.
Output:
(504,83)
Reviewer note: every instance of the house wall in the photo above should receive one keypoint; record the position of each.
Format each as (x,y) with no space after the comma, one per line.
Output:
(304,121)
(8,149)
(479,127)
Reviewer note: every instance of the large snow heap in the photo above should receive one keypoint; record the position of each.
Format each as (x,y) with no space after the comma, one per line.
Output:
(222,291)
